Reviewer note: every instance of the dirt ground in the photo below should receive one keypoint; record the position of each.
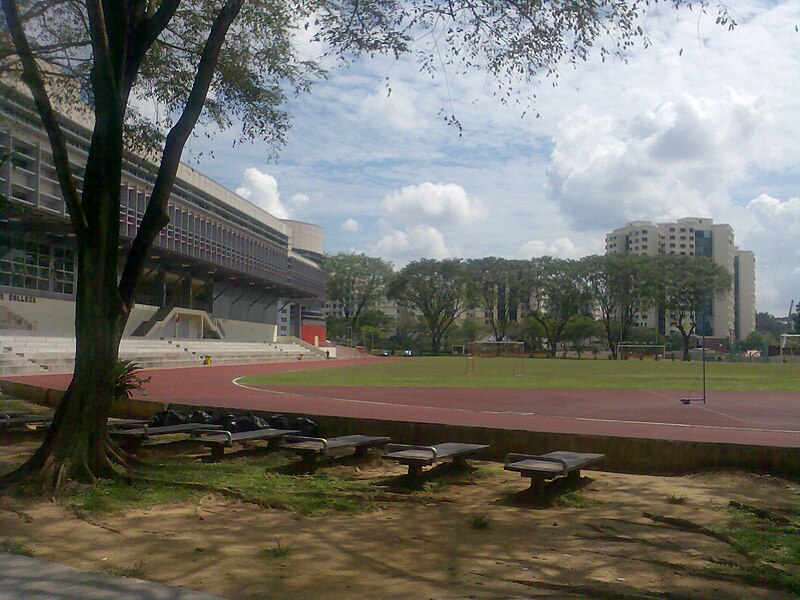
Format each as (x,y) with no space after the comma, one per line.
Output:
(603,546)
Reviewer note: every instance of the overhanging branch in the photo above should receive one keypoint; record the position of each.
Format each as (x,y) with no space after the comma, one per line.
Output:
(155,217)
(32,77)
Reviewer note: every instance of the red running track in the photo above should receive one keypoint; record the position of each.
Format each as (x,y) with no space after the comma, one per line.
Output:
(751,418)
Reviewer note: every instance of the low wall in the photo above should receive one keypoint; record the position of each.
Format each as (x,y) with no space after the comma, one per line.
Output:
(627,455)
(128,408)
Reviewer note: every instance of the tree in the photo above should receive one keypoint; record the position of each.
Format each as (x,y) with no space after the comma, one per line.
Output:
(499,290)
(357,282)
(558,294)
(533,333)
(112,54)
(619,284)
(577,330)
(767,323)
(173,53)
(684,287)
(437,289)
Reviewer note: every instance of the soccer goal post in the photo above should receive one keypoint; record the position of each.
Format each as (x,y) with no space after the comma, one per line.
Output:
(656,351)
(506,349)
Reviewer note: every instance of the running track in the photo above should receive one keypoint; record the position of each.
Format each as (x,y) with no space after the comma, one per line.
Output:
(751,418)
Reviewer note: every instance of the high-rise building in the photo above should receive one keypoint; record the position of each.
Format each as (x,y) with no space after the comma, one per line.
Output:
(732,312)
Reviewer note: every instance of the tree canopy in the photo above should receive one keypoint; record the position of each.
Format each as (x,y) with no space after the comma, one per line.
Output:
(357,282)
(438,289)
(684,287)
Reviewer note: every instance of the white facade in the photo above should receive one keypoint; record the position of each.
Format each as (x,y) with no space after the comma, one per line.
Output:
(733,312)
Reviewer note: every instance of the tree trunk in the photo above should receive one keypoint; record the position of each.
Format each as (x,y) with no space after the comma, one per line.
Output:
(685,339)
(77,445)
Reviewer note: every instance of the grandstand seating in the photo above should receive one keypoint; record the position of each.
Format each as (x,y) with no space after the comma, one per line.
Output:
(26,354)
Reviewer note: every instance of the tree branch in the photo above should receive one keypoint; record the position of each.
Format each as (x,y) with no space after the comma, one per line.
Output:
(155,217)
(33,79)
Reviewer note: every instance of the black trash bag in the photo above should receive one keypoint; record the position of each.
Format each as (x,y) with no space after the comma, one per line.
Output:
(278,422)
(305,426)
(249,422)
(227,421)
(201,416)
(167,418)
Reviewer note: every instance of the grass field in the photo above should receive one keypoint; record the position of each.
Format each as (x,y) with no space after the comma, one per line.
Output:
(544,373)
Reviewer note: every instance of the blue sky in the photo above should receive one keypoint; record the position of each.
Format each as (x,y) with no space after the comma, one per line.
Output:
(705,123)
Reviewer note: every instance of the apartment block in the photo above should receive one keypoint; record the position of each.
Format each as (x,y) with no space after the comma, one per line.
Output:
(733,312)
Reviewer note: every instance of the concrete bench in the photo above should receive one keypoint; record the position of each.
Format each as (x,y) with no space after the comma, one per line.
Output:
(10,420)
(417,457)
(217,442)
(133,438)
(549,466)
(312,447)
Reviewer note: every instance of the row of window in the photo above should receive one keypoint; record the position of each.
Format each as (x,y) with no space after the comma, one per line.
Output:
(33,265)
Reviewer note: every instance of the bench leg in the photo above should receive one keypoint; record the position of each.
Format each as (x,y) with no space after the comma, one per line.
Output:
(537,485)
(574,475)
(361,451)
(460,462)
(414,470)
(217,452)
(273,443)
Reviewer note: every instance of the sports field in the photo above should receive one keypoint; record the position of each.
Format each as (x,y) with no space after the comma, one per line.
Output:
(544,373)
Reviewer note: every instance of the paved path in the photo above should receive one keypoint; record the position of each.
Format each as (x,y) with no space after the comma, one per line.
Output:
(752,418)
(24,578)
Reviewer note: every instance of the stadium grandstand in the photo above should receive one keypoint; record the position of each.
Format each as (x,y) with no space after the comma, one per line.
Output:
(223,272)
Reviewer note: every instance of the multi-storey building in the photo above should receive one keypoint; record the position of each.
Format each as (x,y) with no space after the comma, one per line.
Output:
(732,313)
(221,268)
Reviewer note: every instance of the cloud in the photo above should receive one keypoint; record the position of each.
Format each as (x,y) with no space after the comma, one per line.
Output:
(560,248)
(678,158)
(395,107)
(351,225)
(262,190)
(417,241)
(772,231)
(432,203)
(300,199)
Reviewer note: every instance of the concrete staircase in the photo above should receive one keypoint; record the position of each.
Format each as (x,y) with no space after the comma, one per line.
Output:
(23,354)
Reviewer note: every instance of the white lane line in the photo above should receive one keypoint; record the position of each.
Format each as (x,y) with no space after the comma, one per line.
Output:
(514,413)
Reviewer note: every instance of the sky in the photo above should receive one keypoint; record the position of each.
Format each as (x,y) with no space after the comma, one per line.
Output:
(703,123)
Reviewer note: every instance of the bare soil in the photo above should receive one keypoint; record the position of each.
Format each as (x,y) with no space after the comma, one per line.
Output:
(484,539)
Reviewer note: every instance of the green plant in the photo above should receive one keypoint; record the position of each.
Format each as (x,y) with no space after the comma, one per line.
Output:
(15,548)
(276,551)
(673,499)
(136,570)
(479,521)
(127,379)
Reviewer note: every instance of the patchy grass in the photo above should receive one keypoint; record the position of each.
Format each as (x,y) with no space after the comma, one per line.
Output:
(573,499)
(480,521)
(136,570)
(673,499)
(774,547)
(15,548)
(547,373)
(276,551)
(265,480)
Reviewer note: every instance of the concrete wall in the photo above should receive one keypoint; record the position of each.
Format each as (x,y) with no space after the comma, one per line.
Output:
(245,331)
(51,317)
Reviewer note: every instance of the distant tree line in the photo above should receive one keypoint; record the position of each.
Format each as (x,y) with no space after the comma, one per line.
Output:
(547,302)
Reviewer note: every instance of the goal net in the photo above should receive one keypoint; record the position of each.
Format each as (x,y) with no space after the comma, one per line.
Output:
(513,350)
(502,349)
(626,351)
